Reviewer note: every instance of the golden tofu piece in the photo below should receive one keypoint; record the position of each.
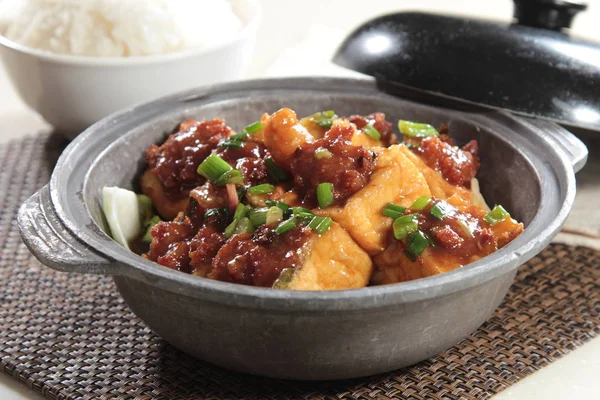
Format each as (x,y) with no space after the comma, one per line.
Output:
(313,128)
(361,139)
(439,187)
(395,180)
(393,265)
(334,262)
(166,207)
(283,134)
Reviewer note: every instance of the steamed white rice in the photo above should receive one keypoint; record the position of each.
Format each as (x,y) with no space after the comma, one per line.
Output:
(118,28)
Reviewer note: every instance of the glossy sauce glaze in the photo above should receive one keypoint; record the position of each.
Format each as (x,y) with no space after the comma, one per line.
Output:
(176,161)
(258,258)
(457,165)
(460,233)
(346,166)
(281,164)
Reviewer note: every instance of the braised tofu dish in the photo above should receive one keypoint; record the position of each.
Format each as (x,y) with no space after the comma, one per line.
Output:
(320,202)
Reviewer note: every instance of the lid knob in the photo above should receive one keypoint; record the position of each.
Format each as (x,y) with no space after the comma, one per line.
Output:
(547,14)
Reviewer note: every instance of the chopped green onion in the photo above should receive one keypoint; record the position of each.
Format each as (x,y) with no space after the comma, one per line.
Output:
(274,203)
(229,231)
(370,130)
(285,226)
(393,210)
(212,212)
(421,203)
(232,176)
(145,208)
(265,188)
(301,210)
(323,119)
(285,277)
(241,211)
(405,225)
(274,216)
(325,194)
(244,225)
(322,152)
(497,214)
(213,167)
(254,127)
(304,214)
(258,216)
(417,242)
(153,221)
(440,210)
(415,129)
(232,144)
(239,137)
(275,172)
(234,141)
(320,224)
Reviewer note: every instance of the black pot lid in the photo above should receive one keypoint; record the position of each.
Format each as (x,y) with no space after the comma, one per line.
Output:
(532,67)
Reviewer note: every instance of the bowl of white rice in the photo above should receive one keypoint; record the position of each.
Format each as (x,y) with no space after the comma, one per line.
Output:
(75,62)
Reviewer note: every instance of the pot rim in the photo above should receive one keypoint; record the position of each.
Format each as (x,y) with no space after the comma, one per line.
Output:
(546,223)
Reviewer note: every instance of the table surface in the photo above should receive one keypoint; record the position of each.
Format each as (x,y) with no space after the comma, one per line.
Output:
(284,36)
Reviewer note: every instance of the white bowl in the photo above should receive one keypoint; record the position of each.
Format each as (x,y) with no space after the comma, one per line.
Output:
(73,92)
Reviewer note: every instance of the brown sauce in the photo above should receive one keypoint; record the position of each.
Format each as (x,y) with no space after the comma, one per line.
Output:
(348,169)
(176,161)
(457,165)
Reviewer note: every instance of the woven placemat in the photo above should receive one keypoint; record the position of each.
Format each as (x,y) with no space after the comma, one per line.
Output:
(70,336)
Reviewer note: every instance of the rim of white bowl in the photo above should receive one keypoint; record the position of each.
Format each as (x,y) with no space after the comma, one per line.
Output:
(248,29)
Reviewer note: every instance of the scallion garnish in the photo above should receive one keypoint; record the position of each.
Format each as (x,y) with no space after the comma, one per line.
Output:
(417,242)
(320,224)
(243,226)
(145,206)
(421,203)
(393,210)
(258,216)
(213,167)
(285,226)
(370,130)
(274,216)
(274,203)
(234,141)
(230,229)
(497,214)
(301,210)
(303,214)
(325,194)
(322,152)
(415,129)
(232,144)
(275,172)
(239,137)
(405,225)
(232,176)
(148,235)
(254,127)
(265,188)
(440,209)
(324,118)
(241,211)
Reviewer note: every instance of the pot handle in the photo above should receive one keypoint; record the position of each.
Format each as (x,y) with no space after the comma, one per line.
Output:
(574,148)
(52,243)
